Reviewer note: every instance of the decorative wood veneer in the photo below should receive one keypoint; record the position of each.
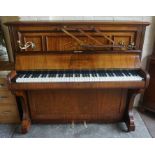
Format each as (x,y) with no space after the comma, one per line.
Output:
(77,61)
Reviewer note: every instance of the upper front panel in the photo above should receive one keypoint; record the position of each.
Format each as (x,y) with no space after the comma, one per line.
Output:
(56,37)
(76,45)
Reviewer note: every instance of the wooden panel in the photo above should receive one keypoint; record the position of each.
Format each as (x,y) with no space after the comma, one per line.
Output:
(48,35)
(149,95)
(37,40)
(64,43)
(8,107)
(9,114)
(125,39)
(77,61)
(75,85)
(3,83)
(75,105)
(6,97)
(59,41)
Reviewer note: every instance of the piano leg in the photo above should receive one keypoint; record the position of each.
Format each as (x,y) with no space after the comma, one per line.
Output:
(26,123)
(129,119)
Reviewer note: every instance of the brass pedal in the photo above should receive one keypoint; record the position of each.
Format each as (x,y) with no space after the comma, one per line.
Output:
(72,125)
(85,124)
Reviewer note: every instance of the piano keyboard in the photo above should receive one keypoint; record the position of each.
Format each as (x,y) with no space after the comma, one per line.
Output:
(78,76)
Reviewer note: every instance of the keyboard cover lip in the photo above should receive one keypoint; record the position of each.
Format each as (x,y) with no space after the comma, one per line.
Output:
(78,85)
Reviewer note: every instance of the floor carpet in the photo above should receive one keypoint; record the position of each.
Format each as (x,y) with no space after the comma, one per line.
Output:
(117,130)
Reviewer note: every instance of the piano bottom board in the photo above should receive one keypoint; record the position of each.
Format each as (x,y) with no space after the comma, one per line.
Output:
(77,105)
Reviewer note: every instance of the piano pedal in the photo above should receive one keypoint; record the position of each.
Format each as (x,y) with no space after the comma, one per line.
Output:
(72,125)
(85,124)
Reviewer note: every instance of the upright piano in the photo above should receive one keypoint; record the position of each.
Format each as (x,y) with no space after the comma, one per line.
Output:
(77,71)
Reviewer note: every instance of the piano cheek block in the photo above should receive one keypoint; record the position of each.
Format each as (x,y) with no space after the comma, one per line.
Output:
(98,87)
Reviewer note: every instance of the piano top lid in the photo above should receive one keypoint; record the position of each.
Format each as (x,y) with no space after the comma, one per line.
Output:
(75,22)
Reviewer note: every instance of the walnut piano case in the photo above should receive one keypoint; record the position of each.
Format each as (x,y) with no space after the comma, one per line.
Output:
(54,46)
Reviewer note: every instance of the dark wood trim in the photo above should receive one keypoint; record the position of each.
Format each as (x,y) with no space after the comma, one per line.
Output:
(85,52)
(129,119)
(26,122)
(43,23)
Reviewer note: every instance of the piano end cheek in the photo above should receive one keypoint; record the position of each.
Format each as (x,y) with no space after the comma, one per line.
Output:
(10,76)
(147,79)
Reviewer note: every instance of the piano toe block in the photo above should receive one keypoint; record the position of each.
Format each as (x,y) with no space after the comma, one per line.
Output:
(25,126)
(130,124)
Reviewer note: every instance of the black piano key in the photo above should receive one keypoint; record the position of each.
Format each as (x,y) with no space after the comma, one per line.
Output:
(33,75)
(26,75)
(71,74)
(124,73)
(112,73)
(109,73)
(84,73)
(52,75)
(60,74)
(87,75)
(100,73)
(37,75)
(121,74)
(43,75)
(133,73)
(104,74)
(129,73)
(116,73)
(77,74)
(20,75)
(66,75)
(93,73)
